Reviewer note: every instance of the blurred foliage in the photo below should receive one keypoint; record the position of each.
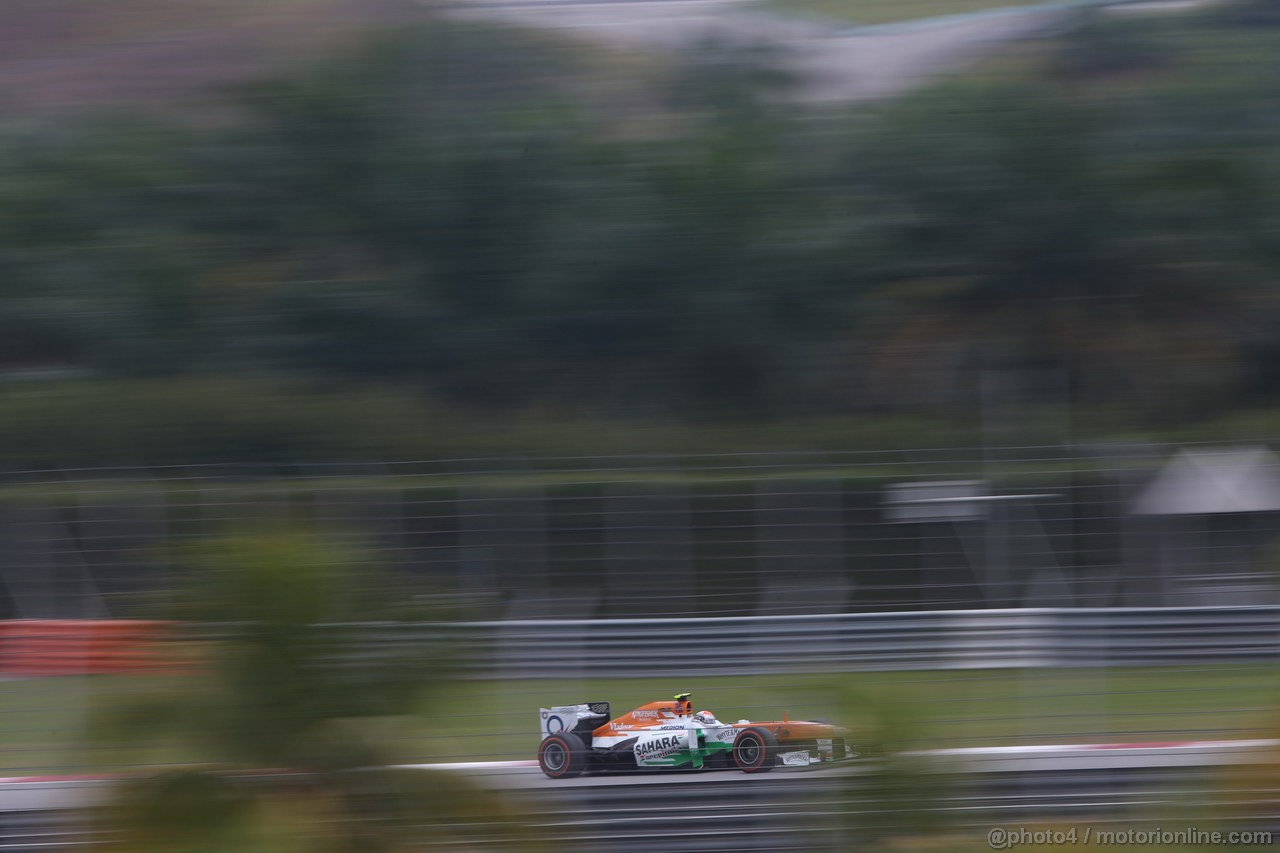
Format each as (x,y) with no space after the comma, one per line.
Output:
(181,421)
(896,791)
(1248,13)
(492,222)
(286,686)
(308,428)
(904,800)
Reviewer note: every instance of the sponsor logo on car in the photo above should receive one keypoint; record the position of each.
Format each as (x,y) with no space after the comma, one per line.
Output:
(795,759)
(659,746)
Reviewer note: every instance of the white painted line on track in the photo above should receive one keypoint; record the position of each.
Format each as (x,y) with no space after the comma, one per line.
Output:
(467,765)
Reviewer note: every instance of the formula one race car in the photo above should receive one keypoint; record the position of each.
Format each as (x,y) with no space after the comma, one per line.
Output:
(579,739)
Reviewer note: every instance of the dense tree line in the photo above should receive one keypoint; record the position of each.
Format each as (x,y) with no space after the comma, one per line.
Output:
(485,218)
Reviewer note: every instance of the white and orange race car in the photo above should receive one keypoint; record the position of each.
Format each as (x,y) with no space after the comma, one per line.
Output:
(579,739)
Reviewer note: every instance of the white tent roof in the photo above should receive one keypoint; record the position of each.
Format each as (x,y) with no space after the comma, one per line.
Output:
(1200,482)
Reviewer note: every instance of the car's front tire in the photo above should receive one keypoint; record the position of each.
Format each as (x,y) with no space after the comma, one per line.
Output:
(755,750)
(562,755)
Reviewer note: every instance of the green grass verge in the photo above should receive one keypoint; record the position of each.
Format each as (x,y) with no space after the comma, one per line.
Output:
(47,725)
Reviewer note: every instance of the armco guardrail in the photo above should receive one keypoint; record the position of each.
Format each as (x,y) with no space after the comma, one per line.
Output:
(955,639)
(940,639)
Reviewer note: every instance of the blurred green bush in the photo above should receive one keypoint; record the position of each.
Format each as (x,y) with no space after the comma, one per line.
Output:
(293,718)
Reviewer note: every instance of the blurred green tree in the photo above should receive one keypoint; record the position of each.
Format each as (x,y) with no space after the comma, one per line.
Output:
(495,219)
(1028,229)
(289,711)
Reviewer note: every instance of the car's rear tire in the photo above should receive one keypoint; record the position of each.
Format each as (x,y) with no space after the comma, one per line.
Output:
(755,750)
(562,755)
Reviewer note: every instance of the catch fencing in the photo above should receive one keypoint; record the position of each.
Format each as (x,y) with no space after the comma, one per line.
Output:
(717,535)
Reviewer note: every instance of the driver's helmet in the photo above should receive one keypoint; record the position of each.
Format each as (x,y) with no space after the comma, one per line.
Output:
(706,718)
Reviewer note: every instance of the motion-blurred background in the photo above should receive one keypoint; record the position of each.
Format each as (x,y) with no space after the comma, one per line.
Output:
(373,373)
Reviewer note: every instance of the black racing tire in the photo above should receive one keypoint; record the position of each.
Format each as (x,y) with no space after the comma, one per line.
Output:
(562,755)
(755,750)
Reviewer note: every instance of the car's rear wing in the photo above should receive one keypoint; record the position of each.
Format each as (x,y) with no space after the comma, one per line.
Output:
(572,718)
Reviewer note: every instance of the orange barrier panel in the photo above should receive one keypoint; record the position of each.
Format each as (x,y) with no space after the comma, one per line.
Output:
(83,646)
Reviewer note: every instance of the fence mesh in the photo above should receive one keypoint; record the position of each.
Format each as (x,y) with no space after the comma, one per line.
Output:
(758,534)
